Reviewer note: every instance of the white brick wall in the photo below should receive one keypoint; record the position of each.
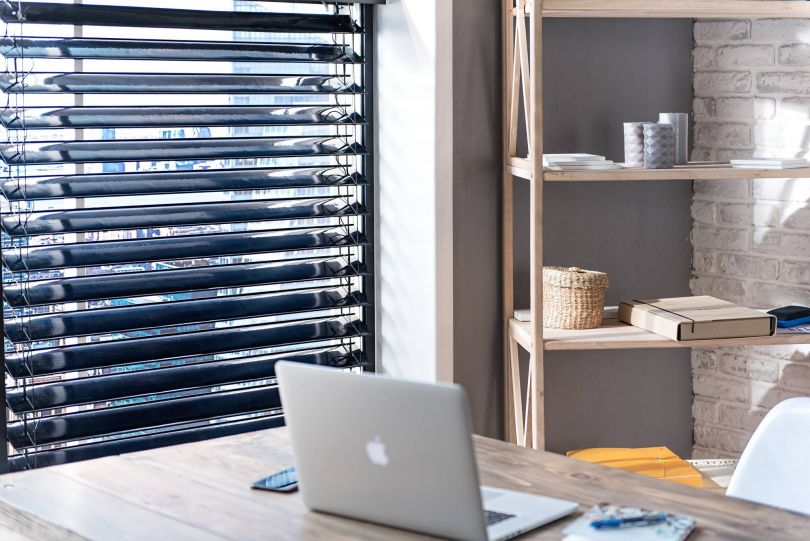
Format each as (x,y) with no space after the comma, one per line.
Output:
(751,237)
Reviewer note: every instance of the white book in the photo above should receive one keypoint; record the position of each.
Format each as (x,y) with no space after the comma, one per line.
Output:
(523,315)
(577,162)
(772,166)
(769,161)
(553,158)
(602,167)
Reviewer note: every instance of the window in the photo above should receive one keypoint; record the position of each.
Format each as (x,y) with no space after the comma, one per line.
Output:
(186,200)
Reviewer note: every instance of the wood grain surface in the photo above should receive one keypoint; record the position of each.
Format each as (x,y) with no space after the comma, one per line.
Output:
(199,491)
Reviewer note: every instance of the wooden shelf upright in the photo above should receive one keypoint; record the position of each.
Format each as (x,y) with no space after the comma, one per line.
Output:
(522,57)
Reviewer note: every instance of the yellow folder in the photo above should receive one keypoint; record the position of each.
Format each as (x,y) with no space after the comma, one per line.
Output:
(658,462)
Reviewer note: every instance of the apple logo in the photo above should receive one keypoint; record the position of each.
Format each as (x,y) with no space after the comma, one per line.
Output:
(375,449)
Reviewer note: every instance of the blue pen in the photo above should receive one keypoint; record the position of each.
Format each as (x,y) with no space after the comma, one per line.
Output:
(627,522)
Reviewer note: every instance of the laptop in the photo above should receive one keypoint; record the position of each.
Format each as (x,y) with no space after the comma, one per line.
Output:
(398,453)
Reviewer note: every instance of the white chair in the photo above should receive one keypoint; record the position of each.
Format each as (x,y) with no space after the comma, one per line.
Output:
(774,468)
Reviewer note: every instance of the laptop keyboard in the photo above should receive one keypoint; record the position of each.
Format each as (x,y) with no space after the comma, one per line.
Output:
(493,517)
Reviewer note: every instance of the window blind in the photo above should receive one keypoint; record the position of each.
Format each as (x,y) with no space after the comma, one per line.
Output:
(186,199)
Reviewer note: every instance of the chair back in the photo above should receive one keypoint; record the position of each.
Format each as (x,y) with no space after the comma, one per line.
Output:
(774,468)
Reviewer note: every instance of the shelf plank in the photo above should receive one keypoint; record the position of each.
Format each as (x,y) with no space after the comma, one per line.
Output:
(688,9)
(614,334)
(691,171)
(520,167)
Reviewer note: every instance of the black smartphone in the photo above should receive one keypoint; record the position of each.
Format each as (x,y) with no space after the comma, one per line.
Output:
(283,481)
(791,316)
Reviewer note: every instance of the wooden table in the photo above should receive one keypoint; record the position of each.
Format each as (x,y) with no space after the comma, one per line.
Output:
(200,491)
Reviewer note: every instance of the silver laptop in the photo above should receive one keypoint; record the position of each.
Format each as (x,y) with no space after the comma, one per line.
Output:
(398,453)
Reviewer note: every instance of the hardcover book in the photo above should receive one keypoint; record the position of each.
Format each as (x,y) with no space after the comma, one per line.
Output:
(696,318)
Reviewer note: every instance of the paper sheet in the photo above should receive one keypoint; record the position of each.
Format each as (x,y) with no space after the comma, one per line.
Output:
(798,329)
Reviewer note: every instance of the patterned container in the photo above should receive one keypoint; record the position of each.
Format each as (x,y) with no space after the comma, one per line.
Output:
(679,121)
(573,298)
(659,146)
(634,144)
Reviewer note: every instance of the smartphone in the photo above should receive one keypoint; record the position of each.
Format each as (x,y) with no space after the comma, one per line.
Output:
(791,316)
(283,481)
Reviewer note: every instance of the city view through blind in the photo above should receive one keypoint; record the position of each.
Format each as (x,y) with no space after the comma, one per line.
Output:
(349,163)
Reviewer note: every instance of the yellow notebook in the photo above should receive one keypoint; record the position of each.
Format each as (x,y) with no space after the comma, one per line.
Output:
(658,462)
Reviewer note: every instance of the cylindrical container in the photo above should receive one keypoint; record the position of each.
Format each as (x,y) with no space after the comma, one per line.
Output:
(573,298)
(634,143)
(680,122)
(659,146)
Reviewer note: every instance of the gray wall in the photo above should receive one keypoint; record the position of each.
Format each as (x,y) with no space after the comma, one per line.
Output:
(597,75)
(478,340)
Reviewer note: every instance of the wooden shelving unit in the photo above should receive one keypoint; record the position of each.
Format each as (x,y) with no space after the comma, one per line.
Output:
(522,57)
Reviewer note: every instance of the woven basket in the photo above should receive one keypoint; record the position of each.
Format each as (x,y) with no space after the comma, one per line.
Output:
(573,298)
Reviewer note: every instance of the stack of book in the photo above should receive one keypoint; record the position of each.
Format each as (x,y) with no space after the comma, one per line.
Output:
(577,162)
(770,163)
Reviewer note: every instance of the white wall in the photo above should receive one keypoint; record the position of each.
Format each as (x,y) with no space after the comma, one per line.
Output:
(751,237)
(414,129)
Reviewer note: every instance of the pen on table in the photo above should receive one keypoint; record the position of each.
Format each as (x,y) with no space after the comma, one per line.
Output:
(626,522)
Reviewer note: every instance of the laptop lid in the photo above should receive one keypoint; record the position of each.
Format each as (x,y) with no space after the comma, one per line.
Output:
(383,450)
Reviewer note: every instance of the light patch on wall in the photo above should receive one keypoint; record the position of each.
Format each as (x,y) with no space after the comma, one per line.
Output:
(751,238)
(406,65)
(787,136)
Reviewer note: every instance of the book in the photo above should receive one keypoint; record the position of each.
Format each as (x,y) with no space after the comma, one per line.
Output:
(584,167)
(576,157)
(523,315)
(578,162)
(696,318)
(782,166)
(767,161)
(716,470)
(674,528)
(770,163)
(656,462)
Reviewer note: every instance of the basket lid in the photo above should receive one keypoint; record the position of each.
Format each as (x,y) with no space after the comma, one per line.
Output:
(574,277)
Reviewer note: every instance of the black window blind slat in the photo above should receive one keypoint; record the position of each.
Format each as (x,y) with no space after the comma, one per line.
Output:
(93,423)
(180,83)
(146,116)
(69,186)
(157,249)
(42,459)
(108,286)
(176,149)
(185,199)
(175,50)
(44,13)
(141,350)
(73,221)
(148,382)
(149,316)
